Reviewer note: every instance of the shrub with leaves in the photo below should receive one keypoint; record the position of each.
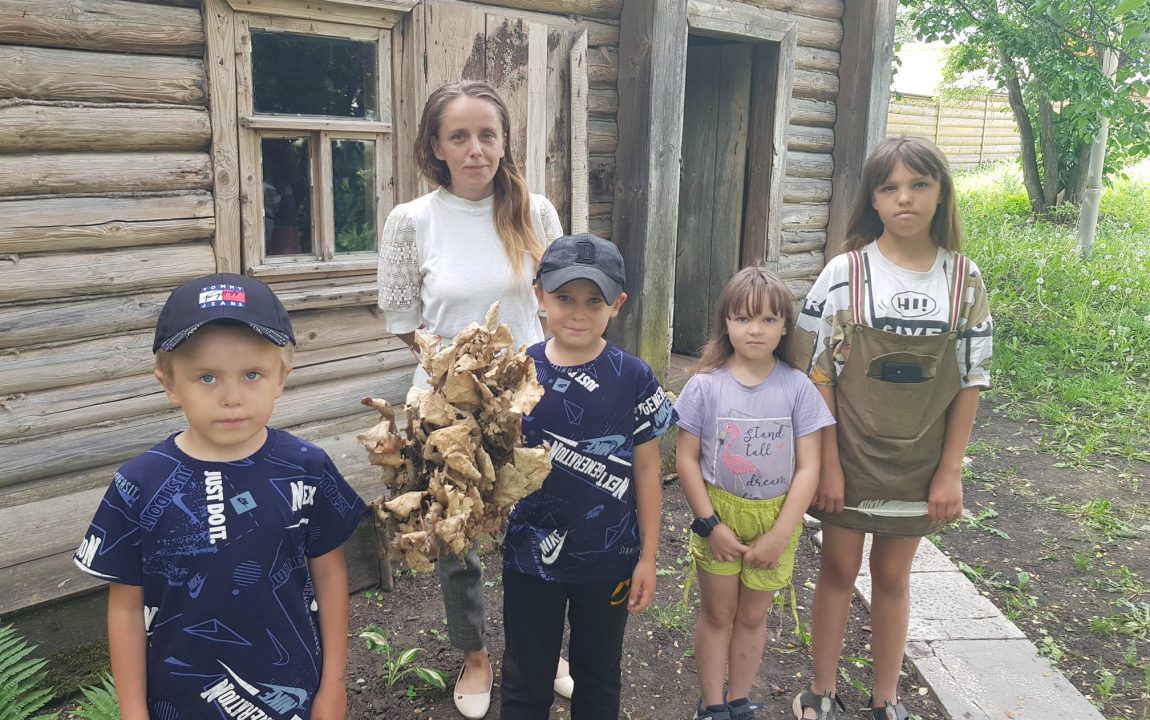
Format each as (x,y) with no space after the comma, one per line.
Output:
(99,702)
(22,690)
(399,663)
(452,459)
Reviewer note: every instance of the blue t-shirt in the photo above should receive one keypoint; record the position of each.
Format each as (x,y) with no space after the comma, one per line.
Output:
(582,525)
(221,551)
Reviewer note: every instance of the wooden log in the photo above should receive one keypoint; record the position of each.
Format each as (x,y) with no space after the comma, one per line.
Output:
(603,102)
(61,410)
(809,139)
(99,223)
(816,59)
(601,174)
(812,113)
(221,58)
(602,68)
(93,446)
(801,264)
(795,241)
(46,74)
(601,34)
(605,9)
(799,287)
(811,85)
(28,127)
(602,137)
(806,191)
(33,277)
(740,21)
(600,226)
(828,9)
(67,173)
(809,165)
(103,25)
(805,217)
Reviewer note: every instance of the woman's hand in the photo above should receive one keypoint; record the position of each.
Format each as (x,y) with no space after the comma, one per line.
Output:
(725,544)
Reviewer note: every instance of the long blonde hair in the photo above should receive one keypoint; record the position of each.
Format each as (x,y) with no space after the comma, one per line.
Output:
(922,157)
(751,290)
(512,205)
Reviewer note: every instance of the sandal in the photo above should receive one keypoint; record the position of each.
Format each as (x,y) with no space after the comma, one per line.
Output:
(826,706)
(713,712)
(889,711)
(743,709)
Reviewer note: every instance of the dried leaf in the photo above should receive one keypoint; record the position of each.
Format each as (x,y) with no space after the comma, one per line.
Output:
(405,504)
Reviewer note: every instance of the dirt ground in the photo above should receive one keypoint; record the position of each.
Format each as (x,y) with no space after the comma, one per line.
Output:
(659,680)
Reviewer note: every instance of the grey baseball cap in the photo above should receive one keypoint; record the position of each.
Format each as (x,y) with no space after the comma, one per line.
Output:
(583,257)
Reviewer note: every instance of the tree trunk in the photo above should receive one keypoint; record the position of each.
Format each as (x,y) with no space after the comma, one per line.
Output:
(1092,195)
(1076,183)
(1051,167)
(1030,176)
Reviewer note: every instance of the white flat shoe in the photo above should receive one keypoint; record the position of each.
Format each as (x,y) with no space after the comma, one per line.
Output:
(472,707)
(564,686)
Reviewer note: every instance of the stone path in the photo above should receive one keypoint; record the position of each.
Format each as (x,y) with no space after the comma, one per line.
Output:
(978,663)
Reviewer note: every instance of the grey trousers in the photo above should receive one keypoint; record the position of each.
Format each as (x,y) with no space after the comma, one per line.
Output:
(461,584)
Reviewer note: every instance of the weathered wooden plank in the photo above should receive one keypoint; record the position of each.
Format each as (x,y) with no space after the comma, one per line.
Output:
(456,43)
(103,25)
(803,241)
(652,63)
(806,191)
(602,137)
(812,113)
(695,228)
(61,410)
(816,85)
(369,14)
(408,40)
(66,173)
(734,123)
(801,264)
(508,57)
(810,165)
(32,277)
(601,176)
(739,21)
(220,58)
(89,447)
(805,217)
(603,102)
(829,9)
(816,59)
(36,127)
(578,94)
(864,94)
(538,109)
(48,74)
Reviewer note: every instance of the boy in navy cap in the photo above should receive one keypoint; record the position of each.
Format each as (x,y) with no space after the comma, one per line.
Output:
(228,588)
(586,541)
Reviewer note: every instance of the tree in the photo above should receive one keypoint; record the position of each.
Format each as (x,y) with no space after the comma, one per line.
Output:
(1046,55)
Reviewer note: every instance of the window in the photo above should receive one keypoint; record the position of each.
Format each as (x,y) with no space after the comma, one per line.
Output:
(315,142)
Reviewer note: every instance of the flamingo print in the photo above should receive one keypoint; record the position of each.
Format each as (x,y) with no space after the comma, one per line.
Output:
(737,464)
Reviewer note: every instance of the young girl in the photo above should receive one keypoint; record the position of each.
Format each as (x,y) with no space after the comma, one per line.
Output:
(896,333)
(748,461)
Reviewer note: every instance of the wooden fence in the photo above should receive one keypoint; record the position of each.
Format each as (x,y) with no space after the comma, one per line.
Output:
(970,132)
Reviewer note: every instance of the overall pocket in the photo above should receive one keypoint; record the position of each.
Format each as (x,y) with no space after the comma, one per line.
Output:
(900,387)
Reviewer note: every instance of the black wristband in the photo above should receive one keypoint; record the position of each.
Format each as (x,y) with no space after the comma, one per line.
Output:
(703,526)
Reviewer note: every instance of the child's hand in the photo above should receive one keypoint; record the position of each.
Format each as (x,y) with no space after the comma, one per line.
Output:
(330,702)
(830,492)
(725,544)
(945,500)
(766,550)
(642,586)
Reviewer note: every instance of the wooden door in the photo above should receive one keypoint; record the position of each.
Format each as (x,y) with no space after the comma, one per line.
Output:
(716,110)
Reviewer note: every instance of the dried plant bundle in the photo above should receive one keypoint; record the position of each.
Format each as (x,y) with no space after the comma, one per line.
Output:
(452,459)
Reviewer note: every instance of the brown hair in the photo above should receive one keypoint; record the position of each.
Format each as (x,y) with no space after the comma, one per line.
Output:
(922,157)
(512,201)
(751,290)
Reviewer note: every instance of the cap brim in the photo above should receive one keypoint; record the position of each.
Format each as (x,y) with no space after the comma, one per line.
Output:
(552,281)
(174,341)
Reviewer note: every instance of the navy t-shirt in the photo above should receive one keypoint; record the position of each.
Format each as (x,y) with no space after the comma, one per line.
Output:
(221,551)
(582,525)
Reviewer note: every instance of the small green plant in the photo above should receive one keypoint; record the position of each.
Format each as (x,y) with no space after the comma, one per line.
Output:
(1106,681)
(400,663)
(99,702)
(979,522)
(1082,561)
(22,691)
(673,616)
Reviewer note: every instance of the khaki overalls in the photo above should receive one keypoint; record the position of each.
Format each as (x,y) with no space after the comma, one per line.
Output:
(891,433)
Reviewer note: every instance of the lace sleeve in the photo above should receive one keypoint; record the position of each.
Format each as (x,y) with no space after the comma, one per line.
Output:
(399,277)
(548,219)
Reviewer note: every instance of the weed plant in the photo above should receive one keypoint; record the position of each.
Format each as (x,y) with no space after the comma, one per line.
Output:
(1072,336)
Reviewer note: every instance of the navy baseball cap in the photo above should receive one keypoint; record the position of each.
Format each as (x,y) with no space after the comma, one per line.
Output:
(221,297)
(583,257)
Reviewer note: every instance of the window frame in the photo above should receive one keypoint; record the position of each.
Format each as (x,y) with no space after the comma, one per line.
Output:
(320,131)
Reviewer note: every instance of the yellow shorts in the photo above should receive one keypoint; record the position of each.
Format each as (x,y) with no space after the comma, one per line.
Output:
(749,519)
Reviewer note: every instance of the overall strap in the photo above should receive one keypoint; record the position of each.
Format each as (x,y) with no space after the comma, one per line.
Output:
(958,287)
(855,284)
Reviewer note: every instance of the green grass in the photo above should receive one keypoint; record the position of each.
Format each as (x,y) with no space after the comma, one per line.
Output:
(1072,336)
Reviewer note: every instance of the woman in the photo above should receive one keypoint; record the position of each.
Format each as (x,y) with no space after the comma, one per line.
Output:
(444,259)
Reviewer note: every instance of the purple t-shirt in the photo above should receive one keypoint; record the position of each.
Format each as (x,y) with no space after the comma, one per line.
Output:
(747,432)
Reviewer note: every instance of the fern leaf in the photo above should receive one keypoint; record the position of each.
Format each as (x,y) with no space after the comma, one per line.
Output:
(99,702)
(892,508)
(22,691)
